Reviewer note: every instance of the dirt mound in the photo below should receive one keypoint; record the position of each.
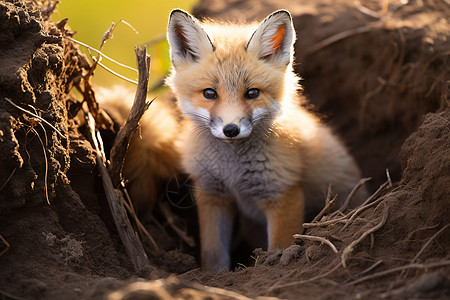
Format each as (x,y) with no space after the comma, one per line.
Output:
(379,77)
(53,247)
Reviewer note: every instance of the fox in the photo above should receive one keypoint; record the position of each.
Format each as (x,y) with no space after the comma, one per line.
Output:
(249,143)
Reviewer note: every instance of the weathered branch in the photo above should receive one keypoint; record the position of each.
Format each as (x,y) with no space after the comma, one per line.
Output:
(140,105)
(128,236)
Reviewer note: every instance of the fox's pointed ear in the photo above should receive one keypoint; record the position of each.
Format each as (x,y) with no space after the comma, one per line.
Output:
(187,39)
(273,40)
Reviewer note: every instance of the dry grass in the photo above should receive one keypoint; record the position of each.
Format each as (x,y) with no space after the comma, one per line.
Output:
(33,121)
(367,224)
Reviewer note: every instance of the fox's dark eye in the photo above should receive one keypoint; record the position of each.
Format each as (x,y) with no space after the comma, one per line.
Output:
(209,94)
(252,94)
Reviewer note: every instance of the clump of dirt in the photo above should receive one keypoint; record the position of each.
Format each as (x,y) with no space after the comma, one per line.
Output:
(57,243)
(379,77)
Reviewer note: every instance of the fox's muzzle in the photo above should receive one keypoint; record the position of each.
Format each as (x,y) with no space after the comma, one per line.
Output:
(231,131)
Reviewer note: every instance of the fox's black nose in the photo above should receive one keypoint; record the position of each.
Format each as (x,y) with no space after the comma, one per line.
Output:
(231,130)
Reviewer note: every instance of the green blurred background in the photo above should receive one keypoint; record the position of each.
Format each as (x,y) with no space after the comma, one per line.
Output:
(149,17)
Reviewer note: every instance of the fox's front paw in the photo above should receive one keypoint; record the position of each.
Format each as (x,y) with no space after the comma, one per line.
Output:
(215,261)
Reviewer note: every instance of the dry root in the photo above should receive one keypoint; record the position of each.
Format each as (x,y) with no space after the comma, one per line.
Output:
(316,239)
(7,245)
(349,249)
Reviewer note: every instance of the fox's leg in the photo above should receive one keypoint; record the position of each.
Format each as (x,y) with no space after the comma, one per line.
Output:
(216,216)
(284,217)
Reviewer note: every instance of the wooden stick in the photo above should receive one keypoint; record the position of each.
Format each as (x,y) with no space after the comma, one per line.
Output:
(325,209)
(316,239)
(142,230)
(349,249)
(325,223)
(140,105)
(128,236)
(388,176)
(385,185)
(366,204)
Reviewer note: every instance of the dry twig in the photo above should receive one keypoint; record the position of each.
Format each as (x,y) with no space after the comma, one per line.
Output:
(171,221)
(142,230)
(385,185)
(328,197)
(316,239)
(114,72)
(358,211)
(107,35)
(324,210)
(100,53)
(349,249)
(345,219)
(367,204)
(7,245)
(129,238)
(325,223)
(388,176)
(350,196)
(35,116)
(140,105)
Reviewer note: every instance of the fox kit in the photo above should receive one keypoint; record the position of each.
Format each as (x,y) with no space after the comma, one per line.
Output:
(248,144)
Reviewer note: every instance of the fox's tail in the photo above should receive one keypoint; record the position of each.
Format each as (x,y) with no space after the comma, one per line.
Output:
(152,158)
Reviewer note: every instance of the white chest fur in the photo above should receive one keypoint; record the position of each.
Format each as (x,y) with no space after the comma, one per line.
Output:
(248,172)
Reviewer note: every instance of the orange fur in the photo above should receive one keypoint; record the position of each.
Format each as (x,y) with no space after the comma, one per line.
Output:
(278,38)
(152,157)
